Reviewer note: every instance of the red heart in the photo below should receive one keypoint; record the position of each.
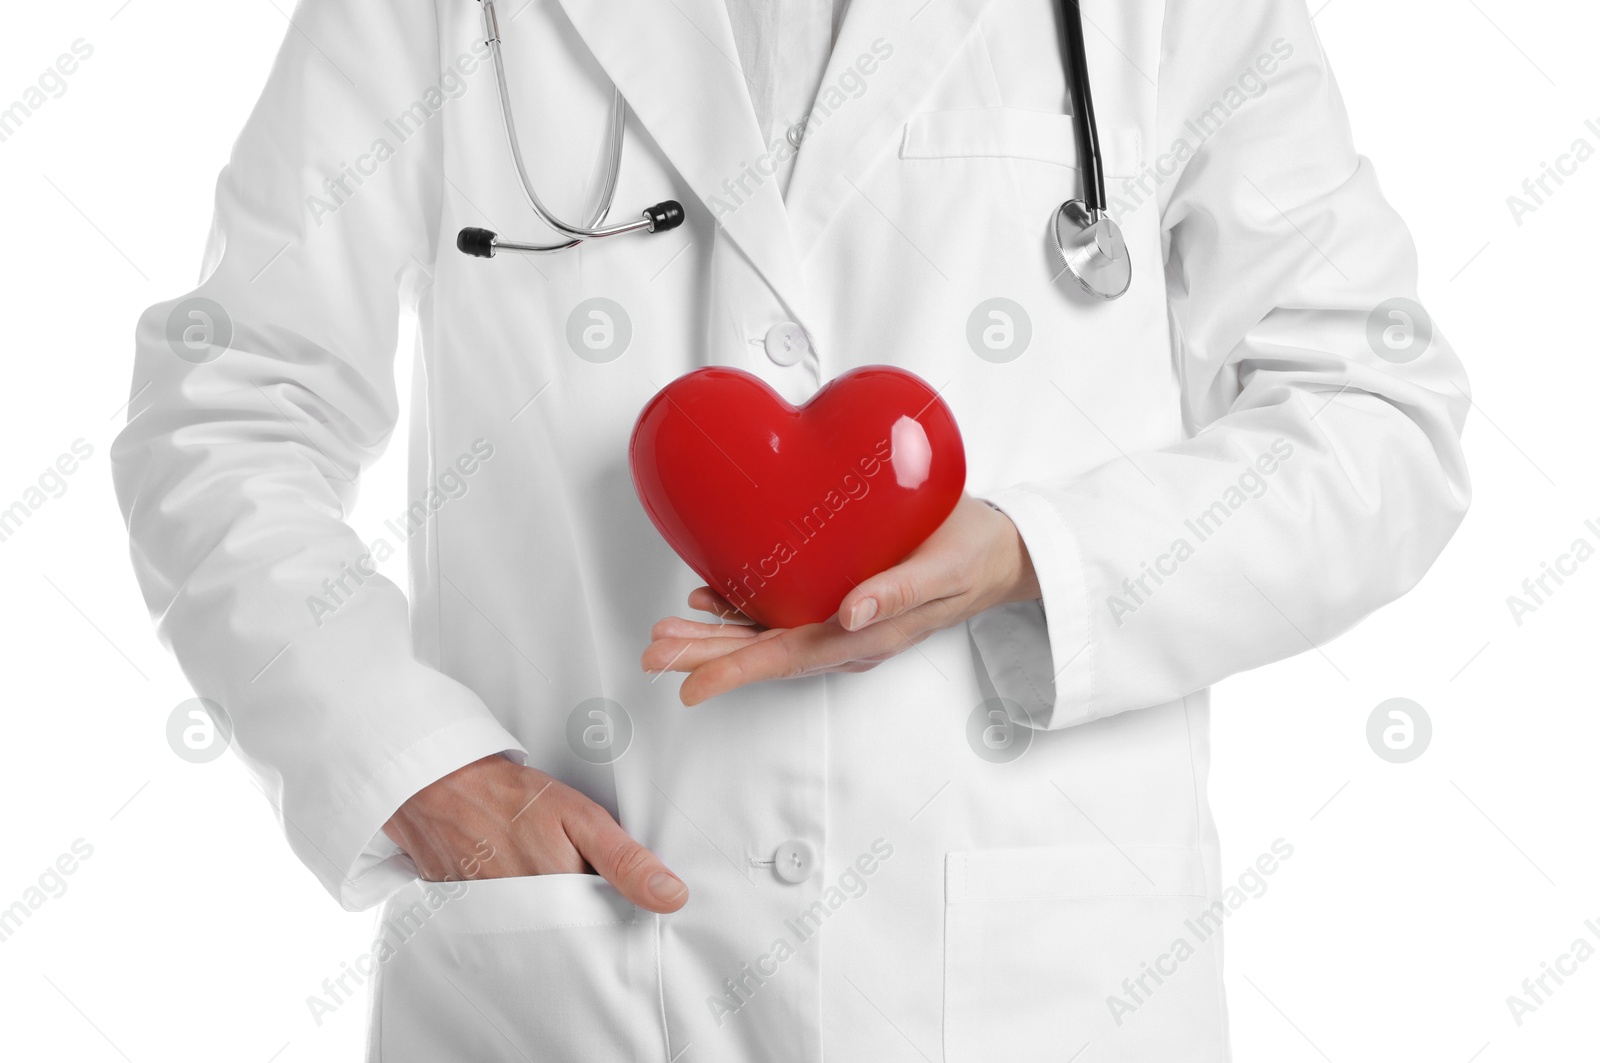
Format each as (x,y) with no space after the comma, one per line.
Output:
(783,510)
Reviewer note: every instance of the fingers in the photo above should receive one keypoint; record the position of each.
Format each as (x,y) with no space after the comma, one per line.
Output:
(921,594)
(709,601)
(685,655)
(676,627)
(789,654)
(621,861)
(783,657)
(680,645)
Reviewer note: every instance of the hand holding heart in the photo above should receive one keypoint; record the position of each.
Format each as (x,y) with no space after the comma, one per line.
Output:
(974,561)
(784,511)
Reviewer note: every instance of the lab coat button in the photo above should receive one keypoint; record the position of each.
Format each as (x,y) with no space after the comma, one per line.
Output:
(795,860)
(787,343)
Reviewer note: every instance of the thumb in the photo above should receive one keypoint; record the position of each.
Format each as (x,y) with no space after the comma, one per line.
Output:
(888,594)
(634,870)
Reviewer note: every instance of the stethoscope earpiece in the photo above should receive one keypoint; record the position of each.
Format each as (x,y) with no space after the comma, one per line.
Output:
(482,243)
(665,215)
(479,243)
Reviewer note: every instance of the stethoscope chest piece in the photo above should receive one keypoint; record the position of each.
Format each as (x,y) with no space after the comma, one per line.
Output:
(1092,249)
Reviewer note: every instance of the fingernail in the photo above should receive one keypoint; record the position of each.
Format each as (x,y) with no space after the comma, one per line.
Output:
(666,888)
(862,612)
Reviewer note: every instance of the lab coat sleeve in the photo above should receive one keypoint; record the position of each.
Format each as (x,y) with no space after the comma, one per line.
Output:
(1321,473)
(235,472)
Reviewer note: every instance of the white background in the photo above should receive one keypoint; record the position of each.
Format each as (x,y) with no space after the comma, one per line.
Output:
(1419,896)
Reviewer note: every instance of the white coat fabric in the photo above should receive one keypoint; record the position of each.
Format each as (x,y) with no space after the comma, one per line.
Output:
(965,903)
(783,52)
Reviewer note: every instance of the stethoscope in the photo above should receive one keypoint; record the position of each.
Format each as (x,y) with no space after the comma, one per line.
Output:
(1088,240)
(483,243)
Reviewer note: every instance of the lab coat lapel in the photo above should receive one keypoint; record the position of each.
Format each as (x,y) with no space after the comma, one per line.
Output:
(846,133)
(678,68)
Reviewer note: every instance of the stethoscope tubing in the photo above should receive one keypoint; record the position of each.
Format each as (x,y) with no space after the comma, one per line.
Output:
(1088,239)
(611,169)
(1084,126)
(1098,257)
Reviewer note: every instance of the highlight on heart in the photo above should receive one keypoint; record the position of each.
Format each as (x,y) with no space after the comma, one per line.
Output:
(782,509)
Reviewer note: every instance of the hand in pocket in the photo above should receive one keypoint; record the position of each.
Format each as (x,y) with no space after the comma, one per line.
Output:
(497,819)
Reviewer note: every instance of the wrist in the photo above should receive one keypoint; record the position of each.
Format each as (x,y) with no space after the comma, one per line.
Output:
(1017,581)
(1024,583)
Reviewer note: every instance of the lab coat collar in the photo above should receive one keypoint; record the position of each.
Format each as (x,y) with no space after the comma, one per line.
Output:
(843,140)
(678,68)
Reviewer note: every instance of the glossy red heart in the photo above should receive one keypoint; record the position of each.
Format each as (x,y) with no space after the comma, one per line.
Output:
(782,510)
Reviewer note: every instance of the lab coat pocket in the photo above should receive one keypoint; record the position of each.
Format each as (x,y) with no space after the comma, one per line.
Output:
(1049,950)
(512,969)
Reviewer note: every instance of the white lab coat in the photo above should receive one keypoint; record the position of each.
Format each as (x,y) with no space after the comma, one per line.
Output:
(971,907)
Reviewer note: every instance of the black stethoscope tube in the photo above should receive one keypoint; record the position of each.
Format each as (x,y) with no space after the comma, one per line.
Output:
(1088,134)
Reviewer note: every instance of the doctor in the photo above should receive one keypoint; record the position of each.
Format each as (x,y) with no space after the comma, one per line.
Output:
(967,819)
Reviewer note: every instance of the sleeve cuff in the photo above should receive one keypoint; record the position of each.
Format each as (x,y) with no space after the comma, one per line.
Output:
(1038,653)
(362,866)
